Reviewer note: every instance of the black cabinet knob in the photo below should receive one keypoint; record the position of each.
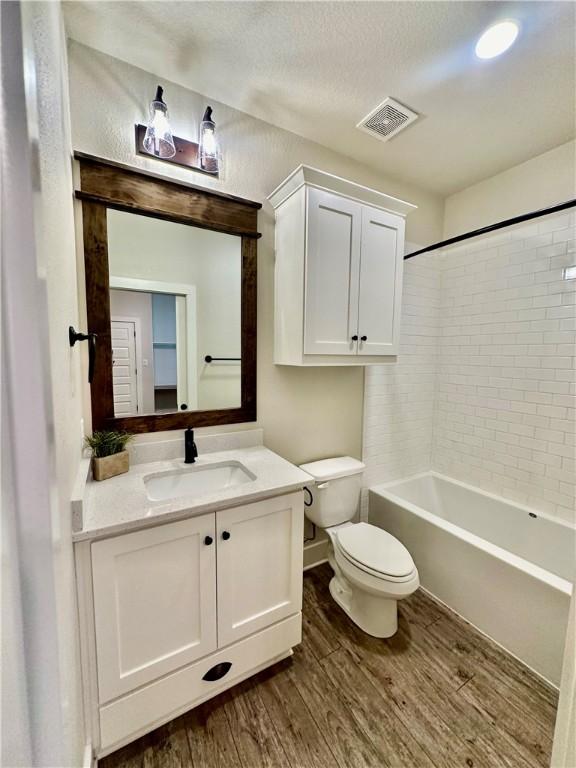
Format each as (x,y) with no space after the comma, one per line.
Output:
(208,540)
(225,535)
(355,337)
(363,338)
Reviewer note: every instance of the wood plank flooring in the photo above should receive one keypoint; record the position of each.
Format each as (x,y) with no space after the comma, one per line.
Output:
(436,695)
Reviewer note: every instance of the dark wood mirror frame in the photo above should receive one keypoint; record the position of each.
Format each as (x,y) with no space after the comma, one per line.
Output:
(103,185)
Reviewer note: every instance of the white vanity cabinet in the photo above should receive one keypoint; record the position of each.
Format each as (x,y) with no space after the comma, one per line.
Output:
(259,566)
(338,271)
(173,614)
(154,602)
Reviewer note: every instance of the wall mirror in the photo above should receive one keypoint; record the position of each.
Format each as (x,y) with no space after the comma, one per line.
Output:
(175,316)
(171,295)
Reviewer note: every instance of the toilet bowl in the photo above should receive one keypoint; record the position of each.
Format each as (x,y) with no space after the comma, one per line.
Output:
(371,574)
(372,569)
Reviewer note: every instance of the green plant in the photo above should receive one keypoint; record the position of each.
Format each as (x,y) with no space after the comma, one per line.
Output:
(107,443)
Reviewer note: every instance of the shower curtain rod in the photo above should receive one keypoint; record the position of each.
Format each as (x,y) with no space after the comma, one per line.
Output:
(493,227)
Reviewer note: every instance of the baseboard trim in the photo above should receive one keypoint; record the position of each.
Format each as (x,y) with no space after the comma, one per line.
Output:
(315,554)
(88,759)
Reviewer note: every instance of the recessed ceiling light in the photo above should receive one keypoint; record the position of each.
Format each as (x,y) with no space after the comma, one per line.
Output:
(496,39)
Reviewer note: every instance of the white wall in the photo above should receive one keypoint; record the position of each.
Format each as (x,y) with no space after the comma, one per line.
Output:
(60,701)
(538,183)
(31,723)
(564,747)
(306,414)
(219,327)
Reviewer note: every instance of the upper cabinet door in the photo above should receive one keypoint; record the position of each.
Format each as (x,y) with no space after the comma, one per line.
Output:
(259,565)
(154,602)
(332,269)
(380,282)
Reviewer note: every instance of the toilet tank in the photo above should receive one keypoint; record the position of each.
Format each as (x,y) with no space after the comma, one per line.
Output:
(337,490)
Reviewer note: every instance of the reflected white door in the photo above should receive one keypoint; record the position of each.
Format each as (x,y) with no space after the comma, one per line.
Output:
(124,371)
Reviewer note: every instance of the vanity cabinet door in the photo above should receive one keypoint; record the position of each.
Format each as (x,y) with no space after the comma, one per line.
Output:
(259,565)
(154,602)
(380,282)
(332,269)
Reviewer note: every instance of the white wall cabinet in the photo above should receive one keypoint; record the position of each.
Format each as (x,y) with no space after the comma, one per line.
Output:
(332,274)
(338,273)
(173,614)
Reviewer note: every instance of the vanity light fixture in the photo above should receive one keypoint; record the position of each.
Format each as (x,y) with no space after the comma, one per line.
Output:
(156,140)
(496,39)
(208,146)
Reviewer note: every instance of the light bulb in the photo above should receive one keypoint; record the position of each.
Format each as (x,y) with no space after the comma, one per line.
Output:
(208,150)
(158,140)
(209,143)
(496,39)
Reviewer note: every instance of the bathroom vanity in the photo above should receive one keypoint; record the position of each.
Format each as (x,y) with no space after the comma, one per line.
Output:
(189,580)
(189,576)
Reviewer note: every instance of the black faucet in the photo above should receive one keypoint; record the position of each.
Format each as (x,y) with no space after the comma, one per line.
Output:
(190,450)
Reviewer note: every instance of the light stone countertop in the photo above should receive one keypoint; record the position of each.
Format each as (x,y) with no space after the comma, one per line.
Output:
(120,504)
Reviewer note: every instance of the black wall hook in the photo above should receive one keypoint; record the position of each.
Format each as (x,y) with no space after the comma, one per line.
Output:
(74,336)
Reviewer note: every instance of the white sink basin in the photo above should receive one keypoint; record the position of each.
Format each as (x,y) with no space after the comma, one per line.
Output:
(197,481)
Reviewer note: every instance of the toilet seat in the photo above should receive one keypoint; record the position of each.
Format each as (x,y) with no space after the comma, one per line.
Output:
(372,583)
(375,552)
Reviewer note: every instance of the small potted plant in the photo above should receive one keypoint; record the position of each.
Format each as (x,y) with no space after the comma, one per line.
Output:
(109,454)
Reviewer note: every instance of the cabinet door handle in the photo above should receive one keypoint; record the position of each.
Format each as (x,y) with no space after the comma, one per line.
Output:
(363,338)
(225,535)
(355,337)
(217,672)
(208,540)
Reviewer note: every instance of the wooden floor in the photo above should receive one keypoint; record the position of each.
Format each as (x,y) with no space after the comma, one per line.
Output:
(436,694)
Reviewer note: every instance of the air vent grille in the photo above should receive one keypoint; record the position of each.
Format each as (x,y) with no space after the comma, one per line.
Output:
(387,119)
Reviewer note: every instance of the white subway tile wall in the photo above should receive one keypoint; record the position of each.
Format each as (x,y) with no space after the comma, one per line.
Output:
(492,334)
(506,387)
(399,396)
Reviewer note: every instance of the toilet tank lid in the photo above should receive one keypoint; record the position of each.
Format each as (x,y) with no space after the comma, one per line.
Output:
(330,469)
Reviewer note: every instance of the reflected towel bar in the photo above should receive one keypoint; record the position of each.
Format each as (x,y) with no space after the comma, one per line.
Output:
(210,359)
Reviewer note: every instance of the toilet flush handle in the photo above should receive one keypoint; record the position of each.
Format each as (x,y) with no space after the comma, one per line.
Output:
(322,486)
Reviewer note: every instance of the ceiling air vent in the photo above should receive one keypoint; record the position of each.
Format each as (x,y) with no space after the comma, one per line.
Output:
(387,119)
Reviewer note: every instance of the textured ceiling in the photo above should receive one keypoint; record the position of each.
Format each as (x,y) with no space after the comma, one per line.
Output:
(317,68)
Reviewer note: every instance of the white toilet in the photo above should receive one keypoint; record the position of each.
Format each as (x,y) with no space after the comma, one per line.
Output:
(372,569)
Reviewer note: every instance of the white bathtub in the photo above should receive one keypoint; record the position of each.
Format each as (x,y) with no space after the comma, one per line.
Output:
(505,568)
